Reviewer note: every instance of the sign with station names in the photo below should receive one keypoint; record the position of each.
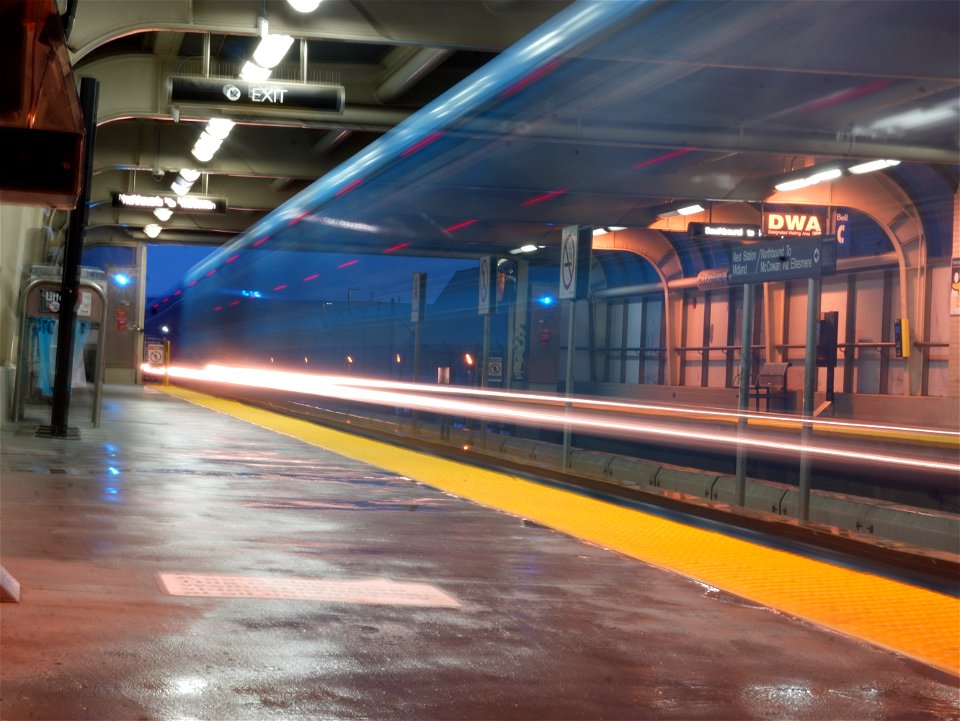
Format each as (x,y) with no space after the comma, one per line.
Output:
(228,93)
(177,203)
(723,231)
(783,260)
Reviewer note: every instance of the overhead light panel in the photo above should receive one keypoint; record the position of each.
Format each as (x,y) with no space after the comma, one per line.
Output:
(180,186)
(163,214)
(869,167)
(152,230)
(220,127)
(682,208)
(189,174)
(615,228)
(253,73)
(206,147)
(599,231)
(304,6)
(271,50)
(812,176)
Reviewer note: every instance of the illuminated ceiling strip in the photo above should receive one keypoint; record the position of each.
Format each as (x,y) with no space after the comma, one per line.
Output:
(464,224)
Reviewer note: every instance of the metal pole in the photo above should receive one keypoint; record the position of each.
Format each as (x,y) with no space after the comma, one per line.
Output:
(485,373)
(73,251)
(809,384)
(568,384)
(746,351)
(414,418)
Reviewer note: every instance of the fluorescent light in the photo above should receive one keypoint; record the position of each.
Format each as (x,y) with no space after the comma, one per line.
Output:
(831,174)
(690,209)
(795,184)
(189,174)
(220,127)
(599,231)
(163,214)
(271,50)
(615,228)
(872,165)
(528,248)
(180,186)
(304,6)
(253,73)
(205,147)
(152,230)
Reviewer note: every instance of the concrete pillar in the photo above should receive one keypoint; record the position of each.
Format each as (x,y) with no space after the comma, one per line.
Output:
(953,373)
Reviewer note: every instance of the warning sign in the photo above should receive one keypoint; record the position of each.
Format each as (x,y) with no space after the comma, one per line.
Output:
(155,354)
(495,370)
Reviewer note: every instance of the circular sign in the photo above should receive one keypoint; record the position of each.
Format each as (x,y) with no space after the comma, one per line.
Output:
(155,356)
(484,279)
(568,260)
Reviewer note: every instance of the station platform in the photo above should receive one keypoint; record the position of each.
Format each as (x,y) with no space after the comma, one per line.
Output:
(195,558)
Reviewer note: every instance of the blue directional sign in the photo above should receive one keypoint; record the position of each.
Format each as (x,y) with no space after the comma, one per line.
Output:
(783,260)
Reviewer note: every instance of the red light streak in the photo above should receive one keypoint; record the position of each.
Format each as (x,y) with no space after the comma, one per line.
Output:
(281,287)
(211,272)
(665,156)
(219,307)
(232,258)
(235,302)
(260,242)
(300,217)
(396,247)
(541,198)
(842,97)
(422,144)
(348,264)
(156,305)
(178,291)
(191,284)
(412,396)
(311,277)
(348,188)
(165,300)
(520,85)
(464,224)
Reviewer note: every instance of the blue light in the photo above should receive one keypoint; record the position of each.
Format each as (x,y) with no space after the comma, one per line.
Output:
(113,491)
(121,279)
(545,300)
(114,471)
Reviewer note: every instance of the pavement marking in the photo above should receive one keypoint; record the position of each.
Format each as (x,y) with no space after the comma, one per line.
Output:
(916,622)
(374,591)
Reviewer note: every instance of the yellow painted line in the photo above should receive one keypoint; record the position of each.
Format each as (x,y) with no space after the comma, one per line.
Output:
(918,623)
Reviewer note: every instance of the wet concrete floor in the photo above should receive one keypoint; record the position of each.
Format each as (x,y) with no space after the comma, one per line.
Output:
(546,627)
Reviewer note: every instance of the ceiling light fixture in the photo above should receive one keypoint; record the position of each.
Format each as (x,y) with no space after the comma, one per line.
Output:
(180,186)
(682,208)
(304,6)
(163,214)
(206,147)
(811,176)
(189,174)
(872,165)
(599,231)
(253,73)
(271,50)
(152,230)
(220,127)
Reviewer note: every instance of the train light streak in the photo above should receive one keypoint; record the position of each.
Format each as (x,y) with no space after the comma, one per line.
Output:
(580,419)
(396,247)
(545,196)
(458,226)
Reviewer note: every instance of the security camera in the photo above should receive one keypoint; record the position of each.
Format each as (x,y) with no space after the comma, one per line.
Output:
(157,174)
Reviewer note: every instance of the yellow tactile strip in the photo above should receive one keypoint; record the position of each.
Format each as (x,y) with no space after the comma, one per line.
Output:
(922,624)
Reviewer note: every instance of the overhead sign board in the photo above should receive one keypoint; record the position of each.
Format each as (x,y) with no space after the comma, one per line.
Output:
(270,96)
(180,203)
(783,260)
(794,224)
(723,231)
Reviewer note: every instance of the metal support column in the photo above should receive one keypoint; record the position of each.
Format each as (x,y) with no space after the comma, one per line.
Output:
(746,351)
(568,382)
(73,251)
(809,384)
(485,374)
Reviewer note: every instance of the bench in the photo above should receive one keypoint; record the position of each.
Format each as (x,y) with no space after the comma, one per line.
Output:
(771,381)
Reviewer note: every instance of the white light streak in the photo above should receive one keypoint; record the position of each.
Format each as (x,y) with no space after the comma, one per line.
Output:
(584,418)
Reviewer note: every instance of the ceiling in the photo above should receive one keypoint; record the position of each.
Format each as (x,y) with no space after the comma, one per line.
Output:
(452,144)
